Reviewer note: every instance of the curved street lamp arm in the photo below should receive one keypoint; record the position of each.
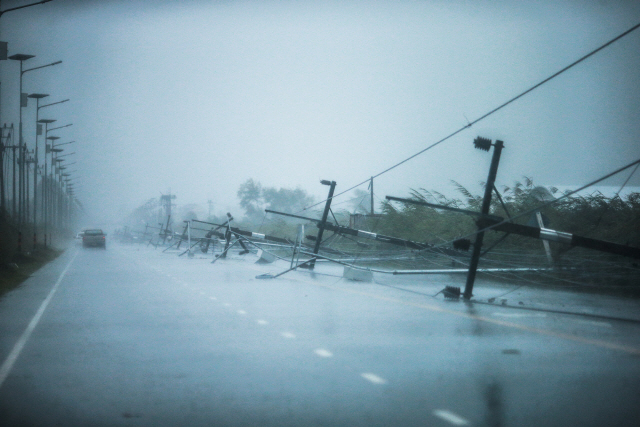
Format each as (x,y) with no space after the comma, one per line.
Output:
(22,7)
(53,103)
(65,126)
(64,143)
(42,66)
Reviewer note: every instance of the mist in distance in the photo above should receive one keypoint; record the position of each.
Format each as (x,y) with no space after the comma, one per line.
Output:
(195,98)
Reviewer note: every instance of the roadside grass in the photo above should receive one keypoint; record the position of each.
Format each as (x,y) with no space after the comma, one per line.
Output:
(23,265)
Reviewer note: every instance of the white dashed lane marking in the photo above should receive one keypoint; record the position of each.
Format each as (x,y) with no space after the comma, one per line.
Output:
(373,378)
(595,323)
(450,417)
(322,352)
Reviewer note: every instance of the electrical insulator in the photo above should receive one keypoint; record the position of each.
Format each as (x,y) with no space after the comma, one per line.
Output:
(482,143)
(462,244)
(451,292)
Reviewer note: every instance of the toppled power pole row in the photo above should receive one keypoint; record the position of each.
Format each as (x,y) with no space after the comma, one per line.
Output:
(485,221)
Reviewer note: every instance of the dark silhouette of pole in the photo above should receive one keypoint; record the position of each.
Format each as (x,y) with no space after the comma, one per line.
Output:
(486,204)
(4,140)
(371,184)
(38,97)
(22,148)
(323,221)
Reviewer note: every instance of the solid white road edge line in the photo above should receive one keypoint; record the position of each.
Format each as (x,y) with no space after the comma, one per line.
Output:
(450,417)
(7,365)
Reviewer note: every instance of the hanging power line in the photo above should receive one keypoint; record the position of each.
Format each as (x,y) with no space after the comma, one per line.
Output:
(451,135)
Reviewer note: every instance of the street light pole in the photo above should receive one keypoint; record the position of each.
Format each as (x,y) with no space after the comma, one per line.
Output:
(54,211)
(21,57)
(38,97)
(45,178)
(4,140)
(48,206)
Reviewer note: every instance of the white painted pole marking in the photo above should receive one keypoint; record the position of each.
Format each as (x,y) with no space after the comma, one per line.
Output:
(7,365)
(322,352)
(450,417)
(519,315)
(373,378)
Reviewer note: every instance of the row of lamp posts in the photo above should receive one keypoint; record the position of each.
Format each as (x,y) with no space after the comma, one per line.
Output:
(7,135)
(57,188)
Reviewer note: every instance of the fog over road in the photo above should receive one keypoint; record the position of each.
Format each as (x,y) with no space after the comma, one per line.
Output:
(134,336)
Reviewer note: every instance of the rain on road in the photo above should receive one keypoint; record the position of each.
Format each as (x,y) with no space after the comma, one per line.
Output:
(134,336)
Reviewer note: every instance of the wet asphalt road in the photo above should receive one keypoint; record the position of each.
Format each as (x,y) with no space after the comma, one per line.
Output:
(132,336)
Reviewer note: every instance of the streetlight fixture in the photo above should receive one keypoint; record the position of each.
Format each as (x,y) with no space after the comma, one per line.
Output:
(65,143)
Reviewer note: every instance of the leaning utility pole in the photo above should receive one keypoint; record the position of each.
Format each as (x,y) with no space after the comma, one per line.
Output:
(483,144)
(323,221)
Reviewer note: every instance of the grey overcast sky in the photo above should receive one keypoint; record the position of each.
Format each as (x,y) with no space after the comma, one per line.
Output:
(195,97)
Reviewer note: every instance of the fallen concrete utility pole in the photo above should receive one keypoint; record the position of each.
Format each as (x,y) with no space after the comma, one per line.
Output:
(339,229)
(251,234)
(497,223)
(561,237)
(259,236)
